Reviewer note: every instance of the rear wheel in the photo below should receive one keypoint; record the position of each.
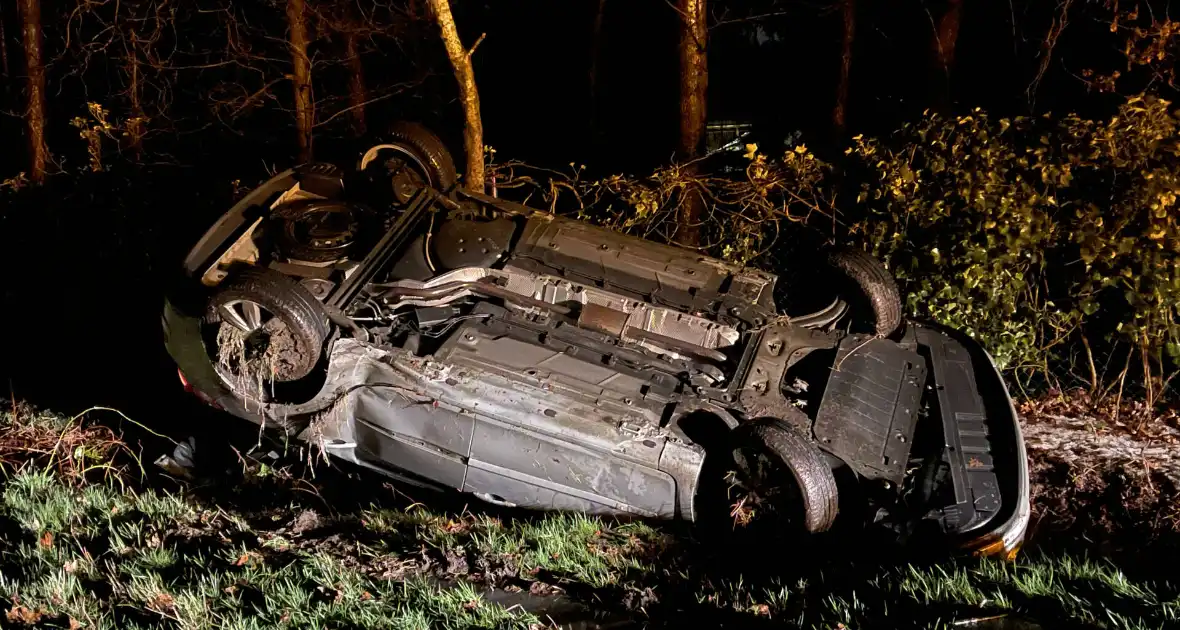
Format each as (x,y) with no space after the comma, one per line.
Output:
(413,156)
(779,475)
(873,290)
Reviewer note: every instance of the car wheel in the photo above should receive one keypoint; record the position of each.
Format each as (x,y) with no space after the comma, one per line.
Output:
(778,473)
(415,156)
(271,328)
(876,287)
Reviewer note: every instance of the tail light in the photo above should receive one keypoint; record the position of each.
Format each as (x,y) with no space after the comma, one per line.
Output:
(202,396)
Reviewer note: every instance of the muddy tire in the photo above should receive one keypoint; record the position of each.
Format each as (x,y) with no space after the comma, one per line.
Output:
(296,317)
(432,154)
(766,450)
(877,287)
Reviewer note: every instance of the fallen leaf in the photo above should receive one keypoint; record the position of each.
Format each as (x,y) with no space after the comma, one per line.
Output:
(242,560)
(46,540)
(162,602)
(20,614)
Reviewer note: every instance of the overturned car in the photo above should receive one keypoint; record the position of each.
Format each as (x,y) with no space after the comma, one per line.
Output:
(457,340)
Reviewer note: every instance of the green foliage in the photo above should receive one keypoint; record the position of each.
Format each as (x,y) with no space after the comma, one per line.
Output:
(1079,590)
(103,556)
(583,548)
(965,212)
(1023,231)
(587,549)
(1030,234)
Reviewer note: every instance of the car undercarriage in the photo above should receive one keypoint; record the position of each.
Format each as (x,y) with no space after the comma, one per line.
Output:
(461,341)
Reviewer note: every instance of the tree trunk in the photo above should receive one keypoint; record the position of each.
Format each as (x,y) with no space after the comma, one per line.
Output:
(301,76)
(840,111)
(465,75)
(595,54)
(4,54)
(30,13)
(694,83)
(946,35)
(357,93)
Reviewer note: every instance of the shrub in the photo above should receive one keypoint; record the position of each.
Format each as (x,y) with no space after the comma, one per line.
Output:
(1029,233)
(745,211)
(965,211)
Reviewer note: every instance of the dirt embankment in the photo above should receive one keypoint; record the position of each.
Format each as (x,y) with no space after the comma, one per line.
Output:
(1104,480)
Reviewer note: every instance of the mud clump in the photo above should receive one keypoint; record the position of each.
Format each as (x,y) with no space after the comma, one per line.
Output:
(272,354)
(284,354)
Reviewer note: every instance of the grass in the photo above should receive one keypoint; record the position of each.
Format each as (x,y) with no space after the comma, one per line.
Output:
(571,547)
(1058,591)
(81,547)
(98,556)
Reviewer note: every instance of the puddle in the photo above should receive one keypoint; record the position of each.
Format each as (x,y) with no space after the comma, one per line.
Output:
(999,623)
(561,611)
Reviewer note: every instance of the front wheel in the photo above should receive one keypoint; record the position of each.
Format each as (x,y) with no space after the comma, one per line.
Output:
(264,331)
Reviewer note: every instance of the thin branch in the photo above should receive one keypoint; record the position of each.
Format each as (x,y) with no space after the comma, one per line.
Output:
(257,95)
(471,51)
(375,99)
(751,18)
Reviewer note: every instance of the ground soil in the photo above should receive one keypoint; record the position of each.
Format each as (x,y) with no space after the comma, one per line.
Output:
(1103,482)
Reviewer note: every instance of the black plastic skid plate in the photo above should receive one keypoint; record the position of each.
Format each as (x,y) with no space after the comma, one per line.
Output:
(870,406)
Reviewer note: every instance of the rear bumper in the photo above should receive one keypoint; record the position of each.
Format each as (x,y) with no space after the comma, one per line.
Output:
(183,341)
(984,446)
(1005,537)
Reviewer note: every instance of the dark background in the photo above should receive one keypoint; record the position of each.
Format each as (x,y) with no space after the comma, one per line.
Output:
(86,254)
(772,62)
